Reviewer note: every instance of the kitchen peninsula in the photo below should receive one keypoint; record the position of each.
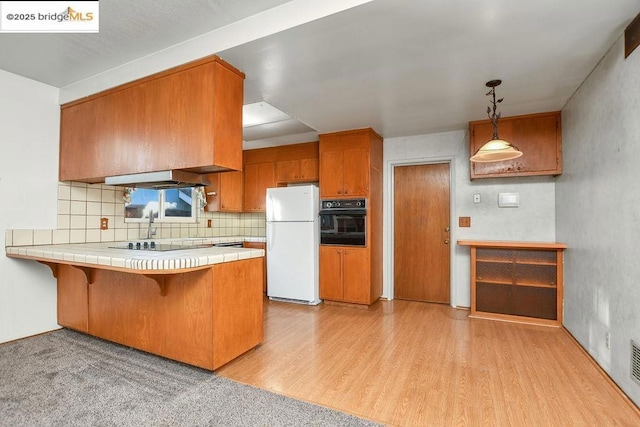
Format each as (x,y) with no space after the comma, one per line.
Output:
(198,304)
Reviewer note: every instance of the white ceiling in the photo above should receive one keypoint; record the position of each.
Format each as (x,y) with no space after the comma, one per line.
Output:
(403,67)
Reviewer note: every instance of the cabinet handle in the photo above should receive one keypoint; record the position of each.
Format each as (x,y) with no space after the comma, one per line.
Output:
(446,241)
(447,228)
(212,193)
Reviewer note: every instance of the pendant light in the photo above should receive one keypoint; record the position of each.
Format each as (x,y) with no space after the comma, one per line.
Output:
(497,149)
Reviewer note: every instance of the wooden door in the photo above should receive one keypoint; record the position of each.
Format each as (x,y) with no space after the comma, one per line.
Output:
(330,273)
(355,275)
(421,232)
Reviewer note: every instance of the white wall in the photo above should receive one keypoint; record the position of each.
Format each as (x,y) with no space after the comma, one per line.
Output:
(598,213)
(29,129)
(534,220)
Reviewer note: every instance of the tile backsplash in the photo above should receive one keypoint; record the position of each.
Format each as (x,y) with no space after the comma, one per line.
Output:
(81,207)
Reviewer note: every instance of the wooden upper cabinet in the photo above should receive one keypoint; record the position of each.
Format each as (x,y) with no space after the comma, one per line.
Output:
(298,170)
(225,192)
(257,178)
(277,166)
(345,163)
(538,136)
(188,117)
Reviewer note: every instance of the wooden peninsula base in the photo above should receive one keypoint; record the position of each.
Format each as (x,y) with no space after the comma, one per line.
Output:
(205,317)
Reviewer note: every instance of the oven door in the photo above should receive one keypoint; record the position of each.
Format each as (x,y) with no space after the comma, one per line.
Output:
(344,228)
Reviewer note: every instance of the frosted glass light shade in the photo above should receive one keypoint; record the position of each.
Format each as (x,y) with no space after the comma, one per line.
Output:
(496,150)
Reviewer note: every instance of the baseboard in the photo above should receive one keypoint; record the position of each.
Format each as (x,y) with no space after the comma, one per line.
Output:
(604,373)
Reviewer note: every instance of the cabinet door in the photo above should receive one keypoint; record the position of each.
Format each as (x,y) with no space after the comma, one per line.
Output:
(356,172)
(257,178)
(538,136)
(224,193)
(231,191)
(305,170)
(331,173)
(309,169)
(288,171)
(331,273)
(250,191)
(355,275)
(86,154)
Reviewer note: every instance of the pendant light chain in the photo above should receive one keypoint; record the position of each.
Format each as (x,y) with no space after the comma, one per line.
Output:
(493,116)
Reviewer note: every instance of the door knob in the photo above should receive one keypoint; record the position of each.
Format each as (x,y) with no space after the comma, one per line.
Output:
(446,241)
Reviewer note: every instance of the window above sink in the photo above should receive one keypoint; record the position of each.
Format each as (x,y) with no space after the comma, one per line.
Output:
(168,205)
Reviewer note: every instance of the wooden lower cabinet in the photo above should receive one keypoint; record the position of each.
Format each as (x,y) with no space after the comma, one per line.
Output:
(345,274)
(517,281)
(203,318)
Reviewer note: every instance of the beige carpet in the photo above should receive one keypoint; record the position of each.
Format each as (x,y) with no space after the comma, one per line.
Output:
(65,378)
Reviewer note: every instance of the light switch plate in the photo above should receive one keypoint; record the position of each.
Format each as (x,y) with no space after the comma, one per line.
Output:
(508,200)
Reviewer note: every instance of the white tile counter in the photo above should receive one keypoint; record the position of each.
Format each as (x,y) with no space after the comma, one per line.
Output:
(101,255)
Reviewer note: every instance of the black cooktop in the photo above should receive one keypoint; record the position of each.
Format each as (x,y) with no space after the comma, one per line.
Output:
(158,247)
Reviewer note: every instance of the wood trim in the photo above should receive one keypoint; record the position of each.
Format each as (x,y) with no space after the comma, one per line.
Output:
(509,244)
(514,319)
(352,131)
(304,150)
(632,36)
(112,268)
(52,265)
(161,280)
(177,69)
(89,272)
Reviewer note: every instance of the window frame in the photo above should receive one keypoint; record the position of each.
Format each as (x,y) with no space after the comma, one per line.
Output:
(172,219)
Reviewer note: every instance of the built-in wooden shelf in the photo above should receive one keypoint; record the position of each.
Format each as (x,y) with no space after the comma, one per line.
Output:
(516,281)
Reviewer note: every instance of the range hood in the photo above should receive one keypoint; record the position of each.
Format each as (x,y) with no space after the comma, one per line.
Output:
(159,180)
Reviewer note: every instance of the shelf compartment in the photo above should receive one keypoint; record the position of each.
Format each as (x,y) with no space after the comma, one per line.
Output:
(537,302)
(535,257)
(517,281)
(536,274)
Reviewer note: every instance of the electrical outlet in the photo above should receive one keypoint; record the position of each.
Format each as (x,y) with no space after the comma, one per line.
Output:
(607,340)
(104,223)
(208,223)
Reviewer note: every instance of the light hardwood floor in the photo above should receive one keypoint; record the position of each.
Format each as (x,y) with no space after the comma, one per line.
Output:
(411,363)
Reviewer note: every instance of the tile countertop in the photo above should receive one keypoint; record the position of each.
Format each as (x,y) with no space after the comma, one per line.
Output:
(101,255)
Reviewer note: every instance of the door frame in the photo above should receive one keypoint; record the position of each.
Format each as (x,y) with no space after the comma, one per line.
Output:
(388,223)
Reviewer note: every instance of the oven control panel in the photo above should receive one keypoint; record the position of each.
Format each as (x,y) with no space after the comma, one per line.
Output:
(343,204)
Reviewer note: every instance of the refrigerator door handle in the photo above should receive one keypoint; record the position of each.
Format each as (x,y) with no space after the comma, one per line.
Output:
(270,236)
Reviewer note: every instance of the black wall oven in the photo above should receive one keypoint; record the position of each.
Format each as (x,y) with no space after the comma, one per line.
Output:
(343,222)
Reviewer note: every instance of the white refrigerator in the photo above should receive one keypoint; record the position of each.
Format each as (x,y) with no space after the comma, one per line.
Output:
(292,244)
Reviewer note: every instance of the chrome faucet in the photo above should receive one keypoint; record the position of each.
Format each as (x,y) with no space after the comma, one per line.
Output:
(150,232)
